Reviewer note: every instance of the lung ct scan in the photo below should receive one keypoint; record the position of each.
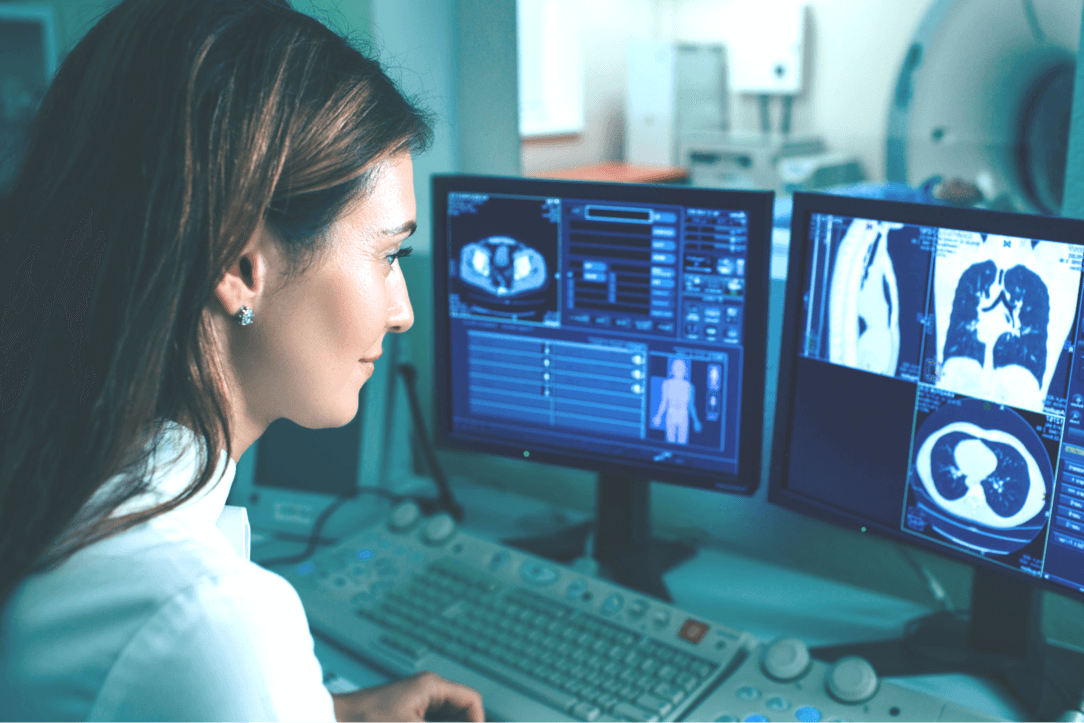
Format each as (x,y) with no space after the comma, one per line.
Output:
(981,477)
(1004,309)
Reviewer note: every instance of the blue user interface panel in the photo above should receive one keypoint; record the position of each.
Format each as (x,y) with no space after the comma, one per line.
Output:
(938,387)
(612,330)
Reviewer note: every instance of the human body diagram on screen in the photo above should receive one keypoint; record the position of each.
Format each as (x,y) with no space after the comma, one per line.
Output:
(677,404)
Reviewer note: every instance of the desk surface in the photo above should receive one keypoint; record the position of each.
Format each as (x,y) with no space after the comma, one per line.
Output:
(616,171)
(768,601)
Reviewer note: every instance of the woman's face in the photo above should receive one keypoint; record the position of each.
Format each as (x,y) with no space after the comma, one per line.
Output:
(313,343)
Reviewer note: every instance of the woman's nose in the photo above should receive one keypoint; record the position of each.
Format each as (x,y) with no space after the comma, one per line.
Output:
(400,313)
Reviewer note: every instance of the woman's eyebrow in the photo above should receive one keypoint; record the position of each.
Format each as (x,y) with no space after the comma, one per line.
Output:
(408,228)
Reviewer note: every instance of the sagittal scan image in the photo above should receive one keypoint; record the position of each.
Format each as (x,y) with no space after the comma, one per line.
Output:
(503,258)
(1004,308)
(980,478)
(502,266)
(864,301)
(867,290)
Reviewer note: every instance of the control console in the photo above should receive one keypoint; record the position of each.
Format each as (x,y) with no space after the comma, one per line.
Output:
(781,682)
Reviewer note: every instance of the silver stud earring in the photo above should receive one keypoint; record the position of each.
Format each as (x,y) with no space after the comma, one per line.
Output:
(244,316)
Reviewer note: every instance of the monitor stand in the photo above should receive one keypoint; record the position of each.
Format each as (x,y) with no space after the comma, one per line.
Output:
(626,552)
(1000,638)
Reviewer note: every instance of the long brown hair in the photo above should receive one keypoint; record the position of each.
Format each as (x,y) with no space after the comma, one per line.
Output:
(170,132)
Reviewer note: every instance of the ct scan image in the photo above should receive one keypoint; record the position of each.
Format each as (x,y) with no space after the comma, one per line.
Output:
(1004,309)
(981,480)
(504,259)
(867,289)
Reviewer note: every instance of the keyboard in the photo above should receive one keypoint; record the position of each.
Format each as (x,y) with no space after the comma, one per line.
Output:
(538,640)
(542,642)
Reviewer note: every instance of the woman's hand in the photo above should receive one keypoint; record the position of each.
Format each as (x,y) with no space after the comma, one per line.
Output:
(422,696)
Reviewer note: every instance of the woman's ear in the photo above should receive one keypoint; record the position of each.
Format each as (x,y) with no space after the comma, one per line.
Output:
(247,280)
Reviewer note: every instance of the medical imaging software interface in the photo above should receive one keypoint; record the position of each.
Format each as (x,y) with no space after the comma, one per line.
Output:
(953,362)
(605,328)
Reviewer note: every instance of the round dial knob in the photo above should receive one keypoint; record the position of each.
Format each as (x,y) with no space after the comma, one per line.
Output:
(786,659)
(438,529)
(404,516)
(851,680)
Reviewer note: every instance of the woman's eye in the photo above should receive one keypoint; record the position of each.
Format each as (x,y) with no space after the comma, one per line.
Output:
(400,254)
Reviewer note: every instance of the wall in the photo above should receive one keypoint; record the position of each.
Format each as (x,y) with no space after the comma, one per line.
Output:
(460,64)
(857,41)
(854,49)
(607,26)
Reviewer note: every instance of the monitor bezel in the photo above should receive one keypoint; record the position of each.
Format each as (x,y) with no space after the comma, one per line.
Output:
(757,204)
(1047,228)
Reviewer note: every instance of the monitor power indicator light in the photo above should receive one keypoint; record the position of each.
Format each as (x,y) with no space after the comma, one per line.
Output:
(526,453)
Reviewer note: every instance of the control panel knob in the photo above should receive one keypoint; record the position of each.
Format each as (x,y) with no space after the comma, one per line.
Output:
(851,680)
(438,529)
(404,516)
(786,659)
(661,618)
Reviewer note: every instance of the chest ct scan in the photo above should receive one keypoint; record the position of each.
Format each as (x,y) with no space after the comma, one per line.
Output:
(1004,308)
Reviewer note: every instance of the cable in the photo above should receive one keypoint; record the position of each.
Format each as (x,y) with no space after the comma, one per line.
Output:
(1033,21)
(317,526)
(934,585)
(784,123)
(447,500)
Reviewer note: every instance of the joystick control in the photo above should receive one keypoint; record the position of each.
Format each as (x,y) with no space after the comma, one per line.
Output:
(404,516)
(786,659)
(438,529)
(851,680)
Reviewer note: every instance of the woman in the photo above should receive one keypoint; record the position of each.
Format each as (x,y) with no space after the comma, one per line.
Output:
(205,237)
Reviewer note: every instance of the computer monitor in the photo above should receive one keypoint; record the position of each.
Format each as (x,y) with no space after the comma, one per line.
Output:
(617,328)
(291,474)
(931,391)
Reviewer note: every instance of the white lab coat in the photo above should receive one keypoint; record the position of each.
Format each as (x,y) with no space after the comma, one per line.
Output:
(167,621)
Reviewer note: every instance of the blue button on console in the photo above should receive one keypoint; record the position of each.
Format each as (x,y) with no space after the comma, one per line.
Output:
(777,703)
(305,568)
(613,604)
(536,573)
(808,714)
(365,554)
(756,717)
(576,588)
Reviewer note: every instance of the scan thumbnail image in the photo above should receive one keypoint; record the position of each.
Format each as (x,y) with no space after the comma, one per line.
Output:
(980,478)
(686,400)
(1004,308)
(504,260)
(861,308)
